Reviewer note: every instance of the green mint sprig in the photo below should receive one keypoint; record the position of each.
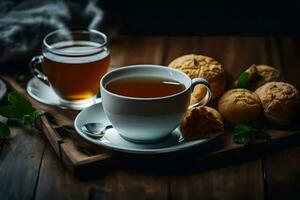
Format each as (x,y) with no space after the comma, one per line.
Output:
(19,108)
(247,134)
(243,80)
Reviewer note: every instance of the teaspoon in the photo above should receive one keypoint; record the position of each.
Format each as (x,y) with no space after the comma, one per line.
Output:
(95,130)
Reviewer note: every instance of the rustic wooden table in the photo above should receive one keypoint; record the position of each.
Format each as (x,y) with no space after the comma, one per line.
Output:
(29,168)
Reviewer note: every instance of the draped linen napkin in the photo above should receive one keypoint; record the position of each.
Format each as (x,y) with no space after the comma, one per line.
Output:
(23,24)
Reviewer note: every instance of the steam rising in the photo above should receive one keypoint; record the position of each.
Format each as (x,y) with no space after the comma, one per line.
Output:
(23,25)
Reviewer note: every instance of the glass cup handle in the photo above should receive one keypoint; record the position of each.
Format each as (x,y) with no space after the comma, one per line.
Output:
(36,63)
(207,97)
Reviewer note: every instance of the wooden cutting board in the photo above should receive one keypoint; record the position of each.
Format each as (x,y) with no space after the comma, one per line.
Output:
(85,159)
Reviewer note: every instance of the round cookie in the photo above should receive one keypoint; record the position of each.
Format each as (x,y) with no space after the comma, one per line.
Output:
(239,105)
(205,67)
(267,73)
(258,75)
(280,102)
(201,122)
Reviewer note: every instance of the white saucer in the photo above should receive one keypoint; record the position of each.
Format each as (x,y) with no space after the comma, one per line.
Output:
(112,140)
(45,94)
(3,89)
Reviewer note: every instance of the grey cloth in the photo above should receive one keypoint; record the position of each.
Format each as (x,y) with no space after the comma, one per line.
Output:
(23,24)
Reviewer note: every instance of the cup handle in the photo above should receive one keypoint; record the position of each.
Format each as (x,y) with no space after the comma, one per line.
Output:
(207,97)
(36,63)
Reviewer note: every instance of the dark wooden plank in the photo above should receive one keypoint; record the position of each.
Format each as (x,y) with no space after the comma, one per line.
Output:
(139,185)
(178,46)
(235,53)
(20,164)
(282,170)
(56,182)
(283,174)
(241,181)
(136,50)
(290,52)
(244,181)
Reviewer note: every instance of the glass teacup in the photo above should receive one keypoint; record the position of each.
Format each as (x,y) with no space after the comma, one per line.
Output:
(73,62)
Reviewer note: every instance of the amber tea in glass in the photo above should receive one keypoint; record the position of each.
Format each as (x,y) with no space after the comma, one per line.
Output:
(73,62)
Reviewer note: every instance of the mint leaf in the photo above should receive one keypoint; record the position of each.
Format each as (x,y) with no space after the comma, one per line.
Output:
(242,134)
(244,138)
(21,103)
(243,80)
(10,111)
(241,128)
(247,134)
(28,119)
(4,131)
(20,108)
(37,114)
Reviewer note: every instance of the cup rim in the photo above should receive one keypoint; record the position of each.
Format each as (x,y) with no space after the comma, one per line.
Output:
(150,66)
(74,30)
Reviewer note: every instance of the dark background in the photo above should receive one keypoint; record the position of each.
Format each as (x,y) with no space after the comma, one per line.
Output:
(244,17)
(24,23)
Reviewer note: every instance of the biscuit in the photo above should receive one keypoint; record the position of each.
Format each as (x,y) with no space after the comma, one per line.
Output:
(239,105)
(201,122)
(268,73)
(205,67)
(258,75)
(280,102)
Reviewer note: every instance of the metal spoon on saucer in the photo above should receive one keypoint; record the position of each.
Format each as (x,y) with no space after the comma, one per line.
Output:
(95,130)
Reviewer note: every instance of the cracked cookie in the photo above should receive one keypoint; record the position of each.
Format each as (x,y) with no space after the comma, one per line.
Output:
(280,102)
(201,122)
(258,75)
(239,105)
(205,67)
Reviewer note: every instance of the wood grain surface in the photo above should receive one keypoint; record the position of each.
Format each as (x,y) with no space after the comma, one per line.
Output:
(282,172)
(30,169)
(20,163)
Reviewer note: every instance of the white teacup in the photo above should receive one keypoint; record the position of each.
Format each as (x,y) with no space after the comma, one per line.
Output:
(148,119)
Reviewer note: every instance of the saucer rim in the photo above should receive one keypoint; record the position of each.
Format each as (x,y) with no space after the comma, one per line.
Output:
(3,89)
(37,98)
(28,90)
(184,145)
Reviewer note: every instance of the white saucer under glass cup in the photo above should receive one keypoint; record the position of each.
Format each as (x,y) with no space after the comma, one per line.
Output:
(72,64)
